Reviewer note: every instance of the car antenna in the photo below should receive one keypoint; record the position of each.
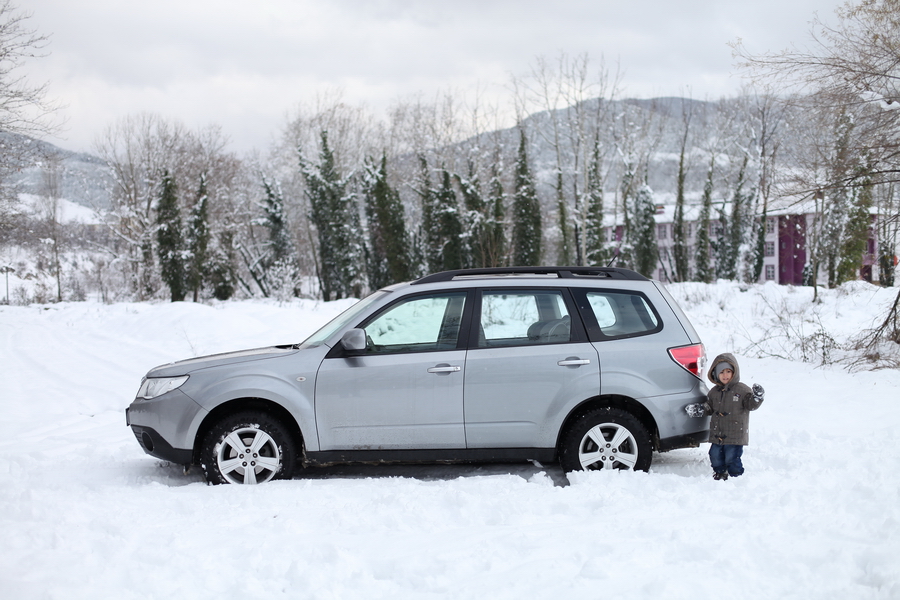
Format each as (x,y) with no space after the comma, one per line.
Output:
(613,259)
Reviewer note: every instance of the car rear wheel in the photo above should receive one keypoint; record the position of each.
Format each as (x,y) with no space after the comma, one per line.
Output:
(247,448)
(606,438)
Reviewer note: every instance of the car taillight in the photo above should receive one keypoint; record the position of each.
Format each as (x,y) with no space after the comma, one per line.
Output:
(690,357)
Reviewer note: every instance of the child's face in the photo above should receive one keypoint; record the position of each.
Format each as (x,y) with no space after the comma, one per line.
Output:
(725,376)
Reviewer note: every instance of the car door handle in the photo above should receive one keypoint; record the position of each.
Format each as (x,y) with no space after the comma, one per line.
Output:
(574,362)
(444,369)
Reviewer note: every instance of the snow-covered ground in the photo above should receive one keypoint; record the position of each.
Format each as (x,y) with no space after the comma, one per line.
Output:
(84,513)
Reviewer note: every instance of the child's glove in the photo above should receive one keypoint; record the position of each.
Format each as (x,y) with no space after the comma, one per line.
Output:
(758,391)
(694,410)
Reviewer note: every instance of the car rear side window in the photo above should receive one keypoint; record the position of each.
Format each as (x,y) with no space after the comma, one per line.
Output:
(621,314)
(518,318)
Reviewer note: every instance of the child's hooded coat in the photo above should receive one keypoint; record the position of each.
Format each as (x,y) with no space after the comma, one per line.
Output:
(729,406)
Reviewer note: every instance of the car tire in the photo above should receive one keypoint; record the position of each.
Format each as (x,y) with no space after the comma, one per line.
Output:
(247,448)
(603,438)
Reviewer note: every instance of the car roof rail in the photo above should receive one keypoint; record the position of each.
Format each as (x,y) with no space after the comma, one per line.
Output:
(560,272)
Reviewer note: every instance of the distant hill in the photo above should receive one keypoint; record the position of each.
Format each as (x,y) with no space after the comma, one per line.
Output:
(79,177)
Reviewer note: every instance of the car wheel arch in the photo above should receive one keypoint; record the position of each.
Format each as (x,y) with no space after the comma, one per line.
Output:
(238,405)
(625,403)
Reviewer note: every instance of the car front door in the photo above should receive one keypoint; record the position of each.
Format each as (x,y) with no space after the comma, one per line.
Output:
(406,390)
(530,363)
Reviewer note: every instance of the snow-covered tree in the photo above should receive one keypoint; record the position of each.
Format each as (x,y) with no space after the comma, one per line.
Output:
(527,221)
(646,247)
(703,269)
(335,215)
(593,251)
(389,246)
(197,241)
(169,239)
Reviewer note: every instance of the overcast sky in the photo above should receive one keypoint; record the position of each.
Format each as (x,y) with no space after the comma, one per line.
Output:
(247,64)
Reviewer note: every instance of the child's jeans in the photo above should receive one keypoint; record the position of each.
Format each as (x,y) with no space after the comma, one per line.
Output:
(726,457)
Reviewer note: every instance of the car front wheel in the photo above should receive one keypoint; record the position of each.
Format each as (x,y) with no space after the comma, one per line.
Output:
(606,438)
(247,448)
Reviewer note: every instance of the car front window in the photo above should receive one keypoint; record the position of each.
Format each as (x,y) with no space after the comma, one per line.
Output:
(418,324)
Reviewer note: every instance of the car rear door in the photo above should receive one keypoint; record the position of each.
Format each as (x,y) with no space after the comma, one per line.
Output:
(529,363)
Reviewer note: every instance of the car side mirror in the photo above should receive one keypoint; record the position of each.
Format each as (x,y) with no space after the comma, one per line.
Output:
(354,341)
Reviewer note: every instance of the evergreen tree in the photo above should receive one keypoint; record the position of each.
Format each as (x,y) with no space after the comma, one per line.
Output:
(450,231)
(679,232)
(388,257)
(703,269)
(335,214)
(475,219)
(279,246)
(496,224)
(731,241)
(428,246)
(198,241)
(759,250)
(625,253)
(856,235)
(170,243)
(526,237)
(562,212)
(222,274)
(277,273)
(886,266)
(839,206)
(646,248)
(595,252)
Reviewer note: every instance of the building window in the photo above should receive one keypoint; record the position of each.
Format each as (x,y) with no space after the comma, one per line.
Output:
(770,225)
(770,249)
(662,232)
(770,272)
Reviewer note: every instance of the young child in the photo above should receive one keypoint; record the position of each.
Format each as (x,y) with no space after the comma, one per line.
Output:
(729,402)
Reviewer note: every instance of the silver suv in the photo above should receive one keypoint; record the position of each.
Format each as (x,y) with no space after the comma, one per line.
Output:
(588,366)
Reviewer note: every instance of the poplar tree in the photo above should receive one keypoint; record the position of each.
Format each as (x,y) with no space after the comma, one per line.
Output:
(732,239)
(679,233)
(169,239)
(594,239)
(198,241)
(335,215)
(703,269)
(526,238)
(388,259)
(759,249)
(449,225)
(856,236)
(646,248)
(476,220)
(429,244)
(496,225)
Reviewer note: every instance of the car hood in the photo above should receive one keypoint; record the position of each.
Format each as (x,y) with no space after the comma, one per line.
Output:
(185,367)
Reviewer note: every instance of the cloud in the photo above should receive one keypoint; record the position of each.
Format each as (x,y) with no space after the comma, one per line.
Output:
(244,65)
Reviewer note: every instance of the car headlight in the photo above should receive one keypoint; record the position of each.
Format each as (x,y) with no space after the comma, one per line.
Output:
(157,386)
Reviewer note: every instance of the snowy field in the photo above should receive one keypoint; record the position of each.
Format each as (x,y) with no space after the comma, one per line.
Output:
(84,513)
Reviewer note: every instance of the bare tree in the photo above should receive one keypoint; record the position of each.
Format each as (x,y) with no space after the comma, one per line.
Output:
(23,107)
(569,105)
(849,73)
(851,66)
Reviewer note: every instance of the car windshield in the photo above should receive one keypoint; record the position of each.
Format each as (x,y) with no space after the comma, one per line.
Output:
(336,324)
